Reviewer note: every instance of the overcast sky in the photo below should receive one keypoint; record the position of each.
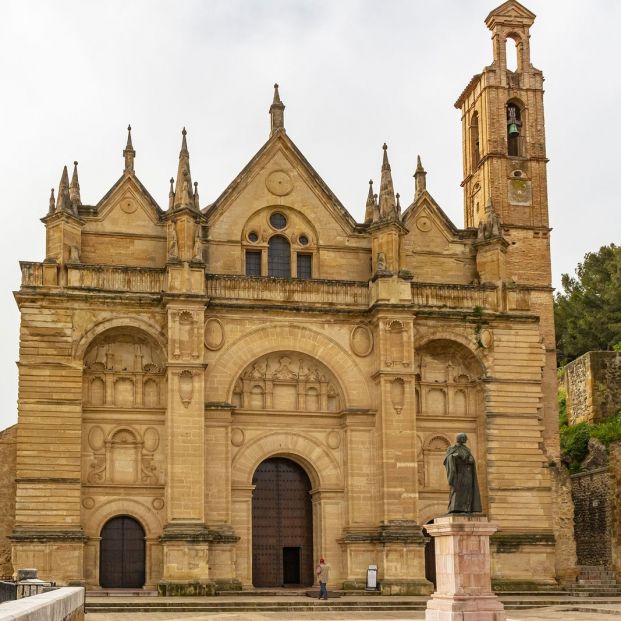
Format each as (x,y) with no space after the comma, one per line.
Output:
(353,74)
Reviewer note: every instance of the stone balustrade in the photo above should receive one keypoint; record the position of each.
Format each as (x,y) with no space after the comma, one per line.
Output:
(116,278)
(239,288)
(32,274)
(288,291)
(455,296)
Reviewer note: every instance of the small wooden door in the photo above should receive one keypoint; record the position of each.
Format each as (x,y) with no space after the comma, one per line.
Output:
(122,554)
(282,525)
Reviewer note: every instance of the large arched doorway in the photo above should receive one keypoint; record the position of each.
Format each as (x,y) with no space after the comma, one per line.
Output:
(122,554)
(282,525)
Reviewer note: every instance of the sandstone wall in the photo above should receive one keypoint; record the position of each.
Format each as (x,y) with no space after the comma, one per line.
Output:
(7,496)
(593,384)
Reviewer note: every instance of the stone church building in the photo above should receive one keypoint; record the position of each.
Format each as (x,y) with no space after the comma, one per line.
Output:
(214,396)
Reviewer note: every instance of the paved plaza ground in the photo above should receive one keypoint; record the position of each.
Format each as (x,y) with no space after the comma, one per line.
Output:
(553,613)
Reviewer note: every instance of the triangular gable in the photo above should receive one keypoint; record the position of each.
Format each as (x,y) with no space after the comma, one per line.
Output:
(426,203)
(126,181)
(280,140)
(511,10)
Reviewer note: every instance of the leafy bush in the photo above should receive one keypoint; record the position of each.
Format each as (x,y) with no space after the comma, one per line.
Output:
(575,438)
(575,444)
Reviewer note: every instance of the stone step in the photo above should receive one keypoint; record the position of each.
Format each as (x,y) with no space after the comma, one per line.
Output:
(260,605)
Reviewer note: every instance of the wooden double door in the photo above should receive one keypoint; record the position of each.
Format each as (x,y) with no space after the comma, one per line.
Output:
(122,554)
(282,525)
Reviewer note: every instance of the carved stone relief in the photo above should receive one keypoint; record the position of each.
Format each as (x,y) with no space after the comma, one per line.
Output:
(397,394)
(396,335)
(361,341)
(123,370)
(434,452)
(287,381)
(237,436)
(125,456)
(333,439)
(214,334)
(279,183)
(448,381)
(186,387)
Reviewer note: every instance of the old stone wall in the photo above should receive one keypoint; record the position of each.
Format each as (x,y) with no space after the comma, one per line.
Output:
(577,387)
(614,456)
(7,496)
(592,496)
(593,384)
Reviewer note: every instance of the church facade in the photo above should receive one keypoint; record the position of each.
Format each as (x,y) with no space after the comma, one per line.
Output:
(212,398)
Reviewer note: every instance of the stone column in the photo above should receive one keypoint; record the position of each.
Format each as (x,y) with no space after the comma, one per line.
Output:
(464,591)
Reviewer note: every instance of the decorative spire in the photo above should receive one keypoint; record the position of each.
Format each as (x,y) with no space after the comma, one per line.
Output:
(171,195)
(74,189)
(398,204)
(368,212)
(196,200)
(277,113)
(128,153)
(184,196)
(387,203)
(420,180)
(63,202)
(52,207)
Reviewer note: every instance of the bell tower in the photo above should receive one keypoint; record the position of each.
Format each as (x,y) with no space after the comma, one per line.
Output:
(504,145)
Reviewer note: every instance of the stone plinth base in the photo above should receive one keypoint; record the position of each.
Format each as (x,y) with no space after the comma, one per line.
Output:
(464,591)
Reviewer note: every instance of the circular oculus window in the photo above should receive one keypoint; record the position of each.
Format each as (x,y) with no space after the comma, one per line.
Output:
(278,221)
(303,240)
(253,237)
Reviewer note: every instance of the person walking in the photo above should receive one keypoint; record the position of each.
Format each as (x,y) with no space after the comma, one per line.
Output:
(323,575)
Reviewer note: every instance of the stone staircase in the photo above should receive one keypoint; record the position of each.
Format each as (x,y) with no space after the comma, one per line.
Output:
(298,602)
(595,581)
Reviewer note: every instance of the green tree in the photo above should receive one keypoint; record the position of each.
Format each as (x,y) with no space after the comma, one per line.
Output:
(588,310)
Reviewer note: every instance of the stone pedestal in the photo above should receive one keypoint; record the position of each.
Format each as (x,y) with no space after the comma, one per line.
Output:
(464,591)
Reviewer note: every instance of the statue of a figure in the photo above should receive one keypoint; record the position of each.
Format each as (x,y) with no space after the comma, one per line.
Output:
(173,249)
(381,262)
(462,477)
(198,245)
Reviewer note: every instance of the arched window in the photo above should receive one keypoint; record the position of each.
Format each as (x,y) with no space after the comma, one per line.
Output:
(279,257)
(474,139)
(514,130)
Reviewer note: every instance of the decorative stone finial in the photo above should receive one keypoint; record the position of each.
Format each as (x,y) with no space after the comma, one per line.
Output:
(387,202)
(128,153)
(196,202)
(171,195)
(277,113)
(368,212)
(184,197)
(420,178)
(52,205)
(63,202)
(74,189)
